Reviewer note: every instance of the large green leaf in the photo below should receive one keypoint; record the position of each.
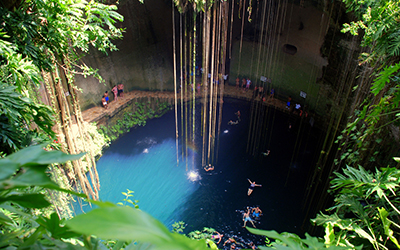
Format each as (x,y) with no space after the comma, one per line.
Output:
(126,223)
(36,155)
(27,200)
(32,176)
(7,168)
(122,223)
(289,241)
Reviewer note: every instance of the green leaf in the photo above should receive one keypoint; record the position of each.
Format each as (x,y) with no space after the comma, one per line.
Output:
(329,234)
(7,168)
(386,225)
(4,218)
(32,176)
(27,200)
(122,223)
(36,155)
(127,224)
(102,203)
(291,241)
(53,225)
(363,234)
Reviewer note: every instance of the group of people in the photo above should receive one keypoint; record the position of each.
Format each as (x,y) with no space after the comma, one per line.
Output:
(246,83)
(254,215)
(258,90)
(231,241)
(298,109)
(118,91)
(251,214)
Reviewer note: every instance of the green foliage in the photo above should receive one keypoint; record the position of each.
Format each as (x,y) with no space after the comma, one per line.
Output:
(195,5)
(366,208)
(286,241)
(178,227)
(127,199)
(99,141)
(64,28)
(130,120)
(16,114)
(203,234)
(379,21)
(20,172)
(32,35)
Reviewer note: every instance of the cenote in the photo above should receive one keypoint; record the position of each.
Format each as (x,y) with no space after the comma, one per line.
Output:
(145,161)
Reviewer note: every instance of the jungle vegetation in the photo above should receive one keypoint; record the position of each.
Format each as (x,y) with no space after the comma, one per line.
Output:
(41,42)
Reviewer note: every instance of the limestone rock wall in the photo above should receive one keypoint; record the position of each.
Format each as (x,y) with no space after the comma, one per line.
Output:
(144,59)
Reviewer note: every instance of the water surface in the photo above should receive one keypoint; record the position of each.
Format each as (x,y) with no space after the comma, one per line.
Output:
(144,160)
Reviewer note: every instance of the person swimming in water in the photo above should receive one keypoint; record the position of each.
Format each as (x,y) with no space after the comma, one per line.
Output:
(266,153)
(256,212)
(209,168)
(246,218)
(233,123)
(218,237)
(230,240)
(238,115)
(252,185)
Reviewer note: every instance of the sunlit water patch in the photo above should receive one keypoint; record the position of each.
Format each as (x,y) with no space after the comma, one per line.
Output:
(159,184)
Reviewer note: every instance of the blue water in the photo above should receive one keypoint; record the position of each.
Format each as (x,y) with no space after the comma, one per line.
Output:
(144,160)
(158,183)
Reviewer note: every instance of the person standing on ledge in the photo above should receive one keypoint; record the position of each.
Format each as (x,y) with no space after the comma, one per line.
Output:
(104,102)
(252,185)
(106,97)
(121,90)
(115,91)
(272,93)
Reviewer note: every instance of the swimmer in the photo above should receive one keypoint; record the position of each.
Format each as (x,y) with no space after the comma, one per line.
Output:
(230,240)
(209,168)
(238,115)
(251,244)
(266,153)
(218,236)
(232,122)
(246,218)
(256,212)
(252,185)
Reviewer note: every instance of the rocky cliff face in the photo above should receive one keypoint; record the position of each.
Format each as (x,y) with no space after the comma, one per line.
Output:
(145,57)
(144,60)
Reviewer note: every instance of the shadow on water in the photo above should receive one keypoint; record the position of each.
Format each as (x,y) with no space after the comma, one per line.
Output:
(144,160)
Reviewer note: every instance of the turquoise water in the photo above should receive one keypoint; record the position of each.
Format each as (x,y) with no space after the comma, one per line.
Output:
(159,184)
(144,161)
